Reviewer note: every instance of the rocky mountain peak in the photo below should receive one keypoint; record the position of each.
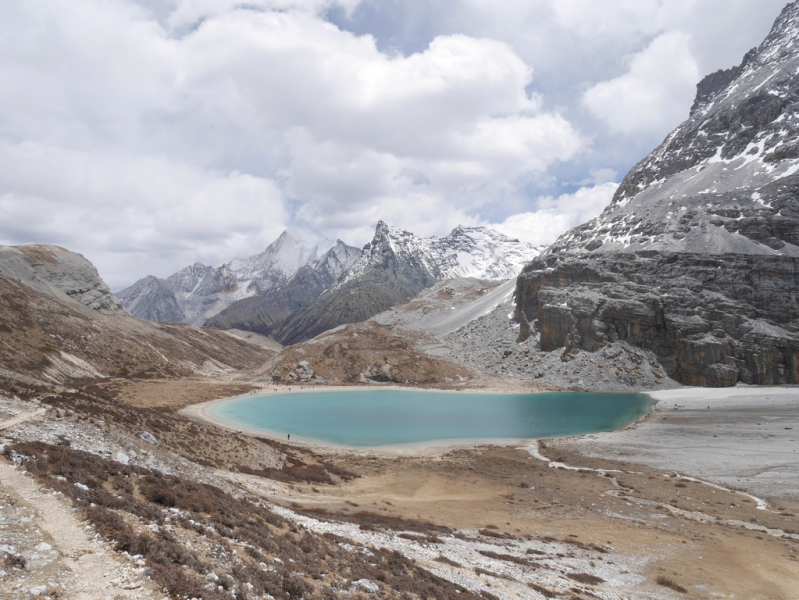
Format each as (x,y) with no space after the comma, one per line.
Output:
(396,265)
(201,291)
(726,179)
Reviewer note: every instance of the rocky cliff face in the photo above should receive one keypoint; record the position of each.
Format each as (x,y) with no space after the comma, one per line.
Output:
(697,256)
(201,291)
(59,273)
(396,266)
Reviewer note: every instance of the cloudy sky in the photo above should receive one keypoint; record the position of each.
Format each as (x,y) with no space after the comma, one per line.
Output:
(150,134)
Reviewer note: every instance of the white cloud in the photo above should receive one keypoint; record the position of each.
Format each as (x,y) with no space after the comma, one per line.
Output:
(654,94)
(555,216)
(193,140)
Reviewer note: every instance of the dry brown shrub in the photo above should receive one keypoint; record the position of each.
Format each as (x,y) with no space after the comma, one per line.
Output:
(585,578)
(671,584)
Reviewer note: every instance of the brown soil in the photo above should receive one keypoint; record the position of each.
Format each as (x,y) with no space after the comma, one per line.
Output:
(498,492)
(166,393)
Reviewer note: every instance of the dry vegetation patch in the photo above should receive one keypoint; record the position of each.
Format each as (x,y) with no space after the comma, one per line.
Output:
(199,541)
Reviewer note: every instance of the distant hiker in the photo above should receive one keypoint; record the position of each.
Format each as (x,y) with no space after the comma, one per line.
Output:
(289,436)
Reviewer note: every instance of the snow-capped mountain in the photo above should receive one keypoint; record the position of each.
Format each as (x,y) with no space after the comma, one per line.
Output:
(477,252)
(276,265)
(726,180)
(202,291)
(396,265)
(697,256)
(263,313)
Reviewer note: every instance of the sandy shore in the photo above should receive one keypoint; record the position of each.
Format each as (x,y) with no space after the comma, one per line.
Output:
(744,438)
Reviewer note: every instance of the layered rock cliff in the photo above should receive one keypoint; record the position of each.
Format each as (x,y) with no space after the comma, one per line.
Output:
(697,256)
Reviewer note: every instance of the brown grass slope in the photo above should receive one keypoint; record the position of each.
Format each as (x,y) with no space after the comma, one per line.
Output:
(50,340)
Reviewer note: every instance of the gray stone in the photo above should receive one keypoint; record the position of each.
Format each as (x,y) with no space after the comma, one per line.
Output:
(365,585)
(148,437)
(696,259)
(58,273)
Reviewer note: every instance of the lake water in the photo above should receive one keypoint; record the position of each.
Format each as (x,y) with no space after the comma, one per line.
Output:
(392,417)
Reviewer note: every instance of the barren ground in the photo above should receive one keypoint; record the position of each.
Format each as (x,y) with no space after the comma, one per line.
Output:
(501,521)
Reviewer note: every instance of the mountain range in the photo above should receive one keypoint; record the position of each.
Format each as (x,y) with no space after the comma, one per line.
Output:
(198,292)
(692,269)
(302,285)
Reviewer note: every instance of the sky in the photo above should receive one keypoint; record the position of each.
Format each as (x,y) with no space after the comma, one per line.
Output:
(151,134)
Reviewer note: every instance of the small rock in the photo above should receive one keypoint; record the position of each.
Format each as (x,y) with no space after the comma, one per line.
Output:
(82,486)
(365,585)
(122,458)
(43,547)
(673,474)
(148,437)
(38,590)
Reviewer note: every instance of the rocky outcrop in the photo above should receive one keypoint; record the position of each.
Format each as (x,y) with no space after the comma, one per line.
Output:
(697,256)
(711,320)
(59,273)
(396,266)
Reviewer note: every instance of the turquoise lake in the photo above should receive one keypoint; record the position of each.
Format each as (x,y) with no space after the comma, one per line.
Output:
(392,417)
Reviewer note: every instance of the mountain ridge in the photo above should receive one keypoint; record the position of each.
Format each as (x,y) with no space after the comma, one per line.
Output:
(202,291)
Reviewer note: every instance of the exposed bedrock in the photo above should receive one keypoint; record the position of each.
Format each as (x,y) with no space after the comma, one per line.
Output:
(712,320)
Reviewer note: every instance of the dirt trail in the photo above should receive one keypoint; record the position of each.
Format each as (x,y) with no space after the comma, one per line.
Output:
(96,572)
(21,418)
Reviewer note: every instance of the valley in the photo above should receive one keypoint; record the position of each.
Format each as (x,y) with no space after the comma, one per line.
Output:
(116,482)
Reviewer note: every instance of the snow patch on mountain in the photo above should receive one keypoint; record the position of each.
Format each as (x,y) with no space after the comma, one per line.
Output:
(477,252)
(727,179)
(202,291)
